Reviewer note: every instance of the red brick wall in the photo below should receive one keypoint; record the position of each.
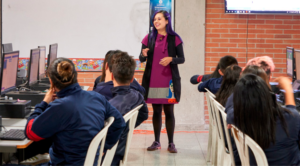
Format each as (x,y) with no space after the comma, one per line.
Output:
(226,34)
(88,79)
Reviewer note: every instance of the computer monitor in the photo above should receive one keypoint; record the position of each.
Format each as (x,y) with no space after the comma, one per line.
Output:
(7,47)
(297,63)
(9,69)
(290,61)
(42,63)
(33,67)
(52,53)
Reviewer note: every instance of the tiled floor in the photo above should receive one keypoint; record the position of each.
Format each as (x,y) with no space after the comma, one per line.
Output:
(191,150)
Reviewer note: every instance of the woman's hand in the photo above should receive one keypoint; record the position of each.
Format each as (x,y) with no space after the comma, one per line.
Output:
(50,96)
(144,52)
(165,61)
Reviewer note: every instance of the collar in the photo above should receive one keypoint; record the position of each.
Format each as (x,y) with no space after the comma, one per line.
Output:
(120,90)
(164,41)
(71,89)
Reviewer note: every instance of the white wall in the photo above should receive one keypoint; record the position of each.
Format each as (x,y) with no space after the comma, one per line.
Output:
(82,28)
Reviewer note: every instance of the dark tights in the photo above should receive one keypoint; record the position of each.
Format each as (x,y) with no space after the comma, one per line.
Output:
(157,120)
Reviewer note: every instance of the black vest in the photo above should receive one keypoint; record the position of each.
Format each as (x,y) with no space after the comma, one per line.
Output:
(174,68)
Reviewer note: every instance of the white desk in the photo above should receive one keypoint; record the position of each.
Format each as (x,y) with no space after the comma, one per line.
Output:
(12,146)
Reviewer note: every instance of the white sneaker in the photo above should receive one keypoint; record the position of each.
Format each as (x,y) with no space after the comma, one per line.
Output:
(38,159)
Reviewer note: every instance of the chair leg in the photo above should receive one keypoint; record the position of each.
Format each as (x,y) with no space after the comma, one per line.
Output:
(209,146)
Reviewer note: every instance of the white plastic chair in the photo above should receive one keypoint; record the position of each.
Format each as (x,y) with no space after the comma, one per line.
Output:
(212,137)
(225,155)
(243,142)
(92,151)
(131,116)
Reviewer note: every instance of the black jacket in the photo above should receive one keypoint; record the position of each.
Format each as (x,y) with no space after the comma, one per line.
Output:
(178,58)
(126,99)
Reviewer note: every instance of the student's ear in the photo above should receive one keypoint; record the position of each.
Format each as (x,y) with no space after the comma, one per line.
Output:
(220,72)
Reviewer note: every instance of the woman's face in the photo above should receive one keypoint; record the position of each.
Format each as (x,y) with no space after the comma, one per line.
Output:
(171,88)
(160,22)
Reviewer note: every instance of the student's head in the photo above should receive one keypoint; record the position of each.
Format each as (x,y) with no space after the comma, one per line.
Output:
(224,62)
(123,67)
(256,70)
(62,73)
(264,62)
(231,76)
(162,21)
(256,110)
(107,65)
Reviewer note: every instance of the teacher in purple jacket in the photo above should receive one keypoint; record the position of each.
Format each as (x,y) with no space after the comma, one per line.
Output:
(162,49)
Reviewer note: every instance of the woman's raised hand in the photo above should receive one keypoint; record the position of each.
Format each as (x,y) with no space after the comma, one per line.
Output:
(144,52)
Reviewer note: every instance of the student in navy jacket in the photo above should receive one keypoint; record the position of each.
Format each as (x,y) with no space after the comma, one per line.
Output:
(213,84)
(274,128)
(105,83)
(73,119)
(124,97)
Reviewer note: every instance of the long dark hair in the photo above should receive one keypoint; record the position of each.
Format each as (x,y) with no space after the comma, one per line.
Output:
(231,76)
(169,28)
(256,110)
(223,64)
(62,73)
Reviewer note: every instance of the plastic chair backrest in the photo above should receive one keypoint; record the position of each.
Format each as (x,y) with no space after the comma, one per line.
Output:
(221,110)
(131,117)
(210,105)
(242,147)
(94,145)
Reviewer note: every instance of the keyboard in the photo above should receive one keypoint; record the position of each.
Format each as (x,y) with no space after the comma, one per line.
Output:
(30,92)
(13,134)
(8,101)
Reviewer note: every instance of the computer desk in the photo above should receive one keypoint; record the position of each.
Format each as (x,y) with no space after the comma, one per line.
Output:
(11,146)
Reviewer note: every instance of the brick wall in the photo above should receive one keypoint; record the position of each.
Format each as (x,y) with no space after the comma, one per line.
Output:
(226,34)
(88,79)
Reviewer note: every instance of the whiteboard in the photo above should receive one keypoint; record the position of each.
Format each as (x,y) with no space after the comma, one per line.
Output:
(82,28)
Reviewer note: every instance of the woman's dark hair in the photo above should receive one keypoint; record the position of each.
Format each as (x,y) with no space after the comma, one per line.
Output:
(108,58)
(62,73)
(169,28)
(231,76)
(225,61)
(259,71)
(256,110)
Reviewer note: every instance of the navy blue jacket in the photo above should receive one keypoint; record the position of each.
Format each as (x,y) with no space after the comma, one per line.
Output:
(285,151)
(213,85)
(104,88)
(126,99)
(72,121)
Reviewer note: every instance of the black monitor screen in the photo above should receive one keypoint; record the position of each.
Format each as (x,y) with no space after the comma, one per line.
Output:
(52,53)
(289,61)
(9,71)
(34,66)
(42,61)
(297,60)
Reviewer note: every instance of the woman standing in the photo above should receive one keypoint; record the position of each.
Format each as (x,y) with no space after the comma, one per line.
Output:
(163,50)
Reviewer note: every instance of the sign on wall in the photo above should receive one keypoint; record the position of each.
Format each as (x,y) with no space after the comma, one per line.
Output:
(156,5)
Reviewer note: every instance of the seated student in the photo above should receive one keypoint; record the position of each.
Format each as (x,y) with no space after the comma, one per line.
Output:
(274,128)
(73,118)
(224,62)
(231,76)
(101,78)
(124,97)
(106,83)
(264,62)
(213,84)
(250,69)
